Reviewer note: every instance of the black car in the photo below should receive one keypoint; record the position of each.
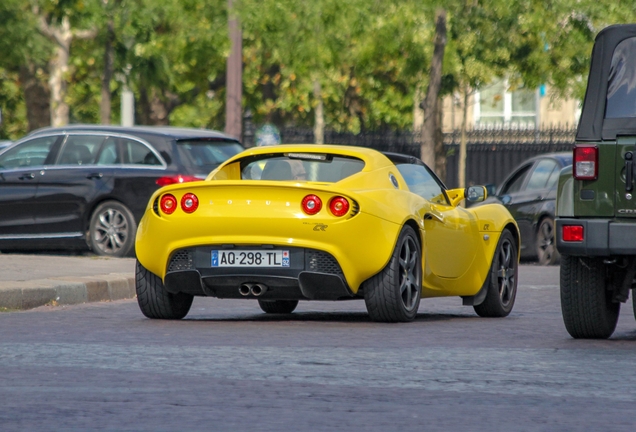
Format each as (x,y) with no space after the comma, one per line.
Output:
(79,186)
(529,193)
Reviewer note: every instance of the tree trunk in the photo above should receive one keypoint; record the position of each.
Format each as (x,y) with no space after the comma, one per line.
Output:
(152,110)
(109,55)
(429,104)
(440,152)
(462,142)
(234,78)
(36,97)
(319,123)
(58,69)
(61,36)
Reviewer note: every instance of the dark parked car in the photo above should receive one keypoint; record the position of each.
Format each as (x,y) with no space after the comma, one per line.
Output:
(529,193)
(79,186)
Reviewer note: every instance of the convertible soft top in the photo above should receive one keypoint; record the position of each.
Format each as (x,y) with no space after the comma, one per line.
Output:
(609,108)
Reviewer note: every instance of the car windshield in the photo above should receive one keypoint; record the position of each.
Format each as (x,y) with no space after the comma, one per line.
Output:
(201,156)
(317,167)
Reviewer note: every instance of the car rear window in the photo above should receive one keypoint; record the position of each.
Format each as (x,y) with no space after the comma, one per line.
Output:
(201,156)
(621,90)
(317,167)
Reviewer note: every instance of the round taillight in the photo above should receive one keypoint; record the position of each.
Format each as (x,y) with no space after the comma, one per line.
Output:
(189,202)
(339,206)
(311,204)
(168,204)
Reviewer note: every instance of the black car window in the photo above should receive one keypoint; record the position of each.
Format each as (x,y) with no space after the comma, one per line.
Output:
(554,177)
(109,155)
(621,88)
(514,184)
(201,156)
(541,174)
(80,149)
(28,154)
(421,182)
(137,153)
(315,167)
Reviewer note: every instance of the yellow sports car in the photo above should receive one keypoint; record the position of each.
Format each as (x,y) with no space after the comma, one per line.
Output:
(320,222)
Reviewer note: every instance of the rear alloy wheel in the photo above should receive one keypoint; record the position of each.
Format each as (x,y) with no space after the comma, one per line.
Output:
(112,230)
(393,295)
(278,306)
(154,301)
(502,280)
(546,250)
(586,303)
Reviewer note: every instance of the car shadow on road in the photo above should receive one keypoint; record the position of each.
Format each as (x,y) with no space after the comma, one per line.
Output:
(346,317)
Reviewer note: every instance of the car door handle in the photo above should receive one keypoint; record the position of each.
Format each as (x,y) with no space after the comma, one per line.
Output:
(95,176)
(28,176)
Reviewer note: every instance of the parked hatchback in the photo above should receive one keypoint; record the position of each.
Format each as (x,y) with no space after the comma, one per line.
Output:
(529,193)
(88,186)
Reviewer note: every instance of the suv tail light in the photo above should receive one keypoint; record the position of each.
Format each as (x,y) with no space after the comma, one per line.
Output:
(179,178)
(585,162)
(573,233)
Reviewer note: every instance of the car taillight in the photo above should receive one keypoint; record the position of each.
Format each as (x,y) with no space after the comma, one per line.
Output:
(189,202)
(311,204)
(168,180)
(573,233)
(168,204)
(339,206)
(585,162)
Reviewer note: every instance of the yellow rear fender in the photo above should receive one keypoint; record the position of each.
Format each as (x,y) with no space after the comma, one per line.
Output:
(492,220)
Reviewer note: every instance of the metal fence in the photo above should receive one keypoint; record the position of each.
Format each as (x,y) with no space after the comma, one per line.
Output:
(491,153)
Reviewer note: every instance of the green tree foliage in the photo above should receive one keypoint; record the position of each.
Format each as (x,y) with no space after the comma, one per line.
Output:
(369,57)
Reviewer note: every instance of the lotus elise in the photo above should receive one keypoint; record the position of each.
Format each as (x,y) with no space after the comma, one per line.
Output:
(321,222)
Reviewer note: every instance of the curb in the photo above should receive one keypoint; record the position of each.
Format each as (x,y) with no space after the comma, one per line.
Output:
(66,290)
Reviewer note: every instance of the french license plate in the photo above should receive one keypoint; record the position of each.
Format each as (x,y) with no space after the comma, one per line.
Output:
(250,258)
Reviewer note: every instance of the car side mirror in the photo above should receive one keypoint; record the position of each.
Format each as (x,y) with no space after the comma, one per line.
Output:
(476,194)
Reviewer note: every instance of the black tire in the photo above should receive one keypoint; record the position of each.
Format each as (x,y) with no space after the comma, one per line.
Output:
(547,253)
(278,306)
(154,301)
(112,230)
(502,279)
(393,295)
(586,303)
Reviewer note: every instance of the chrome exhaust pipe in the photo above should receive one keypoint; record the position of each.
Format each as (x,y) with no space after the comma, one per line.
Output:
(258,289)
(245,289)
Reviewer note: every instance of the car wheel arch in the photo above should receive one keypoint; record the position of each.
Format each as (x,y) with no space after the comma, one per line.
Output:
(416,227)
(517,235)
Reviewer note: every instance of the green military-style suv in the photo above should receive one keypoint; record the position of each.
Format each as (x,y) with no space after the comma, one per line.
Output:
(596,198)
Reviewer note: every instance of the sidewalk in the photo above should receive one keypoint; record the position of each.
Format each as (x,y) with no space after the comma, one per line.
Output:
(31,280)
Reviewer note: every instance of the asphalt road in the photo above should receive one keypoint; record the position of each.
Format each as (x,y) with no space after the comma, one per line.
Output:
(229,367)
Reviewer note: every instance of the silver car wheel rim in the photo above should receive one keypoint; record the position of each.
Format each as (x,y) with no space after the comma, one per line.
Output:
(546,242)
(111,231)
(409,274)
(506,272)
